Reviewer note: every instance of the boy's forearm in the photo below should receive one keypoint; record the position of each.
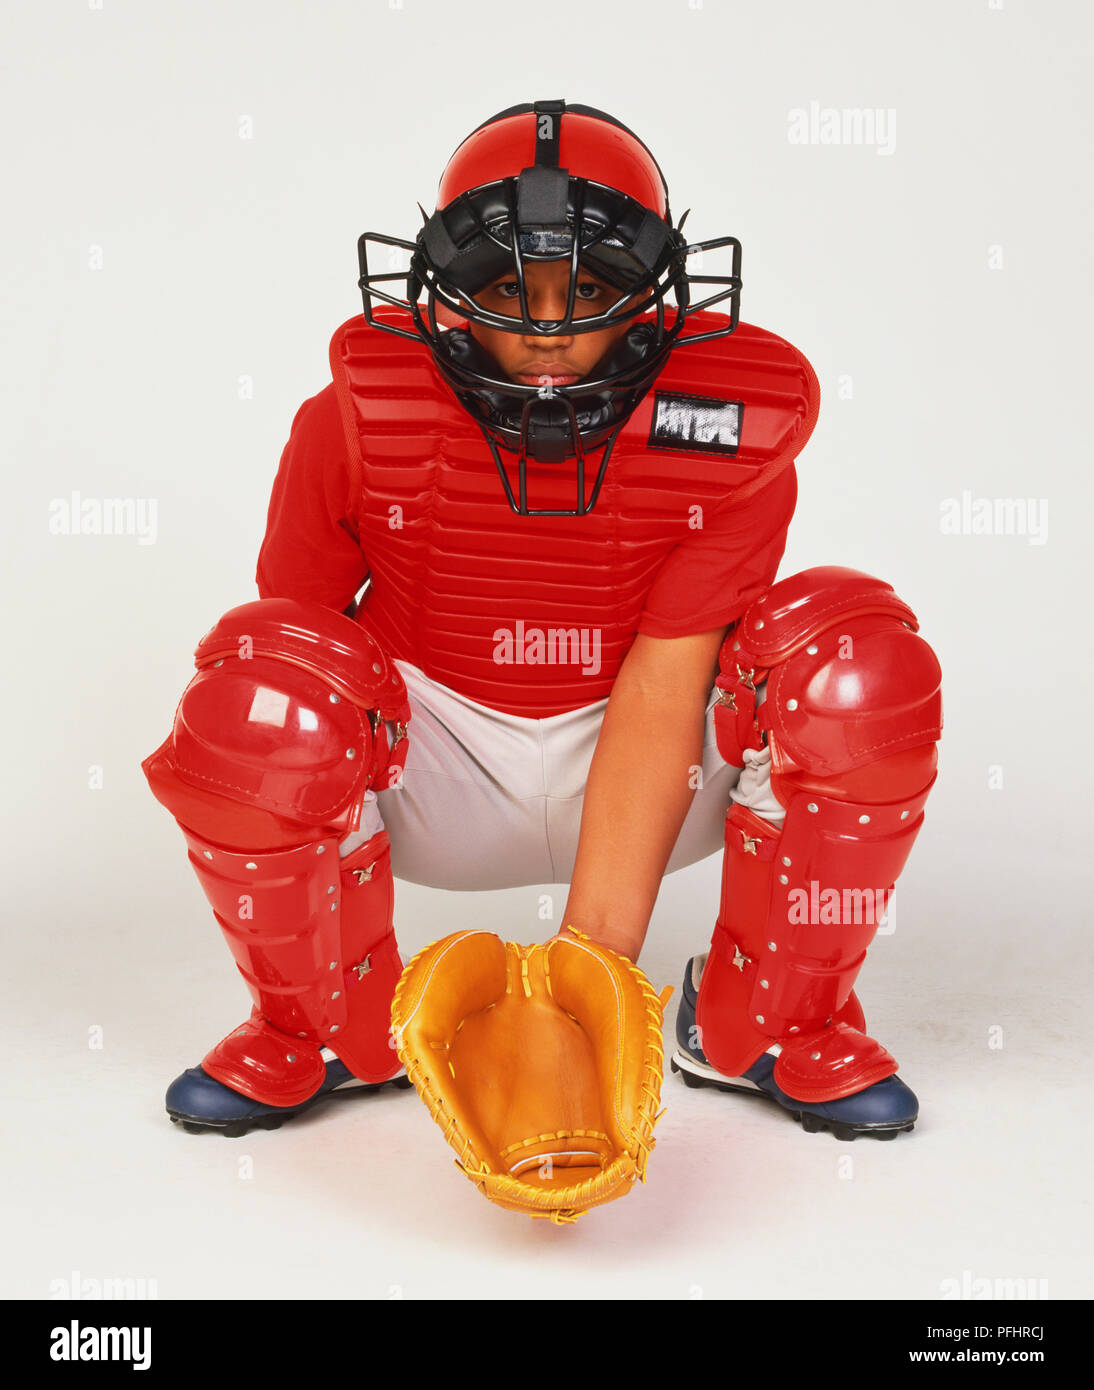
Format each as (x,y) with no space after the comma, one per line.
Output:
(637,796)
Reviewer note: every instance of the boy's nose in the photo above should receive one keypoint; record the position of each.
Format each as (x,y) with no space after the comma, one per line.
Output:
(547,306)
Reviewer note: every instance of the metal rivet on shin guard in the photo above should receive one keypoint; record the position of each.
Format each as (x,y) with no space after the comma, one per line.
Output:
(219,663)
(291,1057)
(334,907)
(377,667)
(758,623)
(759,1018)
(351,752)
(815,1056)
(764,984)
(337,994)
(783,878)
(208,853)
(320,849)
(736,646)
(864,820)
(771,946)
(250,864)
(786,860)
(334,1027)
(904,815)
(331,889)
(333,965)
(812,807)
(812,649)
(792,704)
(335,699)
(794,1029)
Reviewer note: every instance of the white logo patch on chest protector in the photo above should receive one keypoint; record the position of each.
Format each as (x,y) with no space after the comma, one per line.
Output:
(695,423)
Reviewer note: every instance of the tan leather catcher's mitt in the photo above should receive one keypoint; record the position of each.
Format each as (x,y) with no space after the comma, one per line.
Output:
(542,1065)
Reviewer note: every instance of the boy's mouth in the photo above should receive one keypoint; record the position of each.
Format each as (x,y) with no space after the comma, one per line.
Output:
(547,374)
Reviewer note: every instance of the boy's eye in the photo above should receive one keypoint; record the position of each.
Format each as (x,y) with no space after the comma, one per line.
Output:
(586,289)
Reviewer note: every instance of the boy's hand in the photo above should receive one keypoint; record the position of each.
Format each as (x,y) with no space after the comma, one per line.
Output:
(601,938)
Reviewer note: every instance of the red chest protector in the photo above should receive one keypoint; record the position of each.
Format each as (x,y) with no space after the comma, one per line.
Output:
(464,588)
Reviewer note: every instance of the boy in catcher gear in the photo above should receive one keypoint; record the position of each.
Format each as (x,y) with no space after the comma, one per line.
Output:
(567,484)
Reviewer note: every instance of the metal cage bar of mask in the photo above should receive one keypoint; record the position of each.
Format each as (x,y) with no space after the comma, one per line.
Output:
(370,280)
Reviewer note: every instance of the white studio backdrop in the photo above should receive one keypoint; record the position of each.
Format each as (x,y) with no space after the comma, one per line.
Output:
(185,186)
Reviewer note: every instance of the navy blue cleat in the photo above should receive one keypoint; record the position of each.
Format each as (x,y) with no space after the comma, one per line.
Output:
(882,1110)
(199,1103)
